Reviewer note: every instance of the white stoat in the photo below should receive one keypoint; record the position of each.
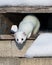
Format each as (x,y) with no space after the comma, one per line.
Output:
(28,25)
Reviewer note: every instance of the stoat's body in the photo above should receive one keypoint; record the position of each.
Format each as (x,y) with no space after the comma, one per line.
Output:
(28,25)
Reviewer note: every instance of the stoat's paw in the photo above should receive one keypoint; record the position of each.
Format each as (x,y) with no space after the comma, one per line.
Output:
(29,35)
(28,56)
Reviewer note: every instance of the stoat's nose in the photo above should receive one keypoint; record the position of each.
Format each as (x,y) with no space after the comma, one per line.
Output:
(19,43)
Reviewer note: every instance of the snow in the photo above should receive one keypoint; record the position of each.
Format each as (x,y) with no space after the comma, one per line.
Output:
(42,46)
(25,2)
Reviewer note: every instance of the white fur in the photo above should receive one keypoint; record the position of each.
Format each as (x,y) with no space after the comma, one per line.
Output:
(25,2)
(27,25)
(19,35)
(14,28)
(42,46)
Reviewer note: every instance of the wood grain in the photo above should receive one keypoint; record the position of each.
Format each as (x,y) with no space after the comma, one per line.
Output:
(36,61)
(9,61)
(11,36)
(26,9)
(9,49)
(25,61)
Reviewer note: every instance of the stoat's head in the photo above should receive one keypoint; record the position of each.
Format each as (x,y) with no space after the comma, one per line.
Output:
(20,36)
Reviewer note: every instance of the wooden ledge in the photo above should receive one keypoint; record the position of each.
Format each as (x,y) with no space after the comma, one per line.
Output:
(26,9)
(25,61)
(11,36)
(8,47)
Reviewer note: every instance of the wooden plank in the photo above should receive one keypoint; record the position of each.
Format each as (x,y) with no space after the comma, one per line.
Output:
(5,24)
(9,49)
(9,61)
(25,61)
(26,9)
(36,61)
(11,36)
(7,36)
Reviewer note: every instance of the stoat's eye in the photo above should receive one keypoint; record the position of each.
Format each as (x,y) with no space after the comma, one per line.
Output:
(22,39)
(17,39)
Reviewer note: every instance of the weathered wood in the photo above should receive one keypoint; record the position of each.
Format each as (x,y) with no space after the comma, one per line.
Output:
(6,37)
(36,61)
(8,46)
(9,49)
(9,61)
(11,36)
(5,24)
(25,61)
(26,9)
(9,54)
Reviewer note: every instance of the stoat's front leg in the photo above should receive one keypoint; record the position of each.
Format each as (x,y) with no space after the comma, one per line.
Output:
(29,35)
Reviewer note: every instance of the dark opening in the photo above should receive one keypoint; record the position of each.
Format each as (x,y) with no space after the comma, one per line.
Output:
(45,19)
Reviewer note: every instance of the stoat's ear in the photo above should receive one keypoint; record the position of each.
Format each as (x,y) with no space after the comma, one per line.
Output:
(14,28)
(24,33)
